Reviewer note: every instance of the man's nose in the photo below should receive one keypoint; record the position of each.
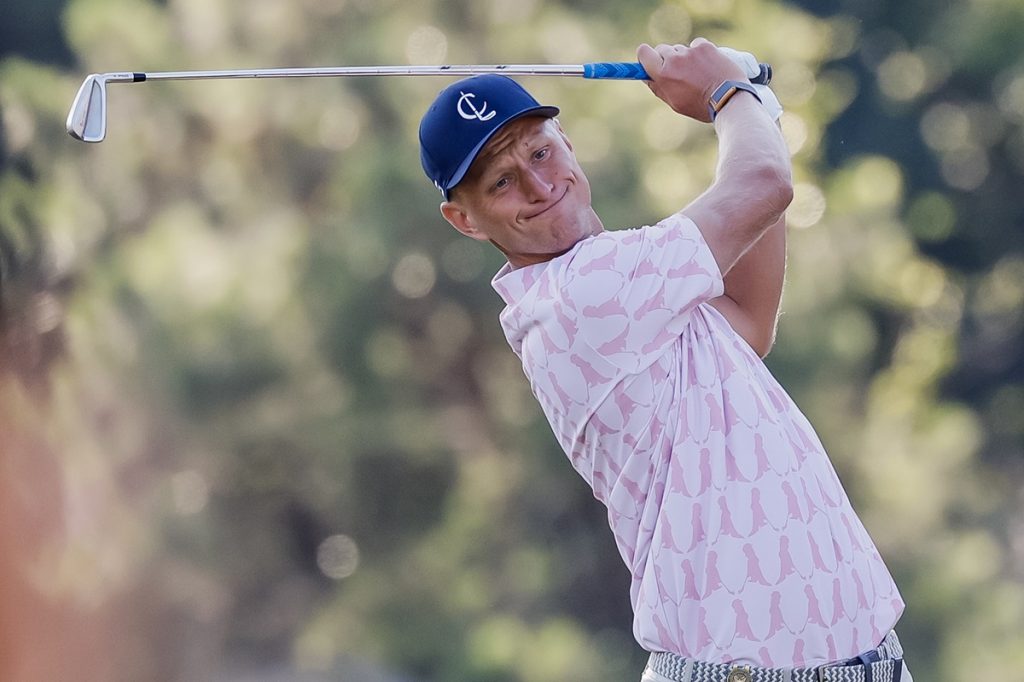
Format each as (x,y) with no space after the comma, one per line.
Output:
(536,185)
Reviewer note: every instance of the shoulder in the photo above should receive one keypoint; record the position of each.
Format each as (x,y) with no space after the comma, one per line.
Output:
(676,227)
(674,240)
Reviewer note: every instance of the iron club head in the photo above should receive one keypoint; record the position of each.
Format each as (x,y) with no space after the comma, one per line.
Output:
(87,120)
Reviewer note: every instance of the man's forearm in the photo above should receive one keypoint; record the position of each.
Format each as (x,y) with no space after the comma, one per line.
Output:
(753,182)
(754,173)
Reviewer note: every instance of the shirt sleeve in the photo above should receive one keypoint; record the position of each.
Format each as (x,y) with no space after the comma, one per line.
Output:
(633,291)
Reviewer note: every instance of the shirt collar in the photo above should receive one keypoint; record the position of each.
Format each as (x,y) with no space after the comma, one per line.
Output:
(513,283)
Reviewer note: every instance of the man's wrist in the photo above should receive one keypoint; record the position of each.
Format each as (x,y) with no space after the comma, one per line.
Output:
(724,93)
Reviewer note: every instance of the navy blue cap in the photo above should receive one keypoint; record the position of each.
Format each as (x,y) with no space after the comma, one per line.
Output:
(464,117)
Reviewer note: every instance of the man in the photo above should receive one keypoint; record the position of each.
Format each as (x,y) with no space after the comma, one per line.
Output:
(644,350)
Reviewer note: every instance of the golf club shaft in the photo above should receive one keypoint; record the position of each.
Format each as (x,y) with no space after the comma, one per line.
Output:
(314,72)
(87,119)
(604,70)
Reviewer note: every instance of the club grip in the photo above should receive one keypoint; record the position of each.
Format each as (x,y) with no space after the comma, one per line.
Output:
(633,71)
(615,70)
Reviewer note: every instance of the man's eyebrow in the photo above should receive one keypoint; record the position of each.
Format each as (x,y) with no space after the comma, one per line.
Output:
(493,159)
(499,147)
(485,165)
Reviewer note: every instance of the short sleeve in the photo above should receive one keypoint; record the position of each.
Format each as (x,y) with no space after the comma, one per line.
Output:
(633,291)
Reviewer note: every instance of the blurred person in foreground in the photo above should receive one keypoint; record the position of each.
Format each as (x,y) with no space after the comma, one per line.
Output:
(643,348)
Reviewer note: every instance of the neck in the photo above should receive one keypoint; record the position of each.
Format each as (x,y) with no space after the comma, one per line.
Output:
(522,260)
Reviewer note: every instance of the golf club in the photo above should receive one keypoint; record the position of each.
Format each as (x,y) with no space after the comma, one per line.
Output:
(87,120)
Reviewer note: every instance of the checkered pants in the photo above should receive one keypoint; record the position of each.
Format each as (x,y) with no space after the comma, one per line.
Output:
(889,667)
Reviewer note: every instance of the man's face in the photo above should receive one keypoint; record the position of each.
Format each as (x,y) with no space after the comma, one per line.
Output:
(525,193)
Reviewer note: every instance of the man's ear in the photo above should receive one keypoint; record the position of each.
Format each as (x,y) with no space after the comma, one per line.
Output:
(455,214)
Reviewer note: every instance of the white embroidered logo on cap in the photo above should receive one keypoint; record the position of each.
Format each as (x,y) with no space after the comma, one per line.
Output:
(477,113)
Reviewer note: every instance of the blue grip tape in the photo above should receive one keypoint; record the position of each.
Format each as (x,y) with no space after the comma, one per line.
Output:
(633,71)
(617,70)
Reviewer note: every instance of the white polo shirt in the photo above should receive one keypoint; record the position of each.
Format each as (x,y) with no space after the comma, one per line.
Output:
(740,539)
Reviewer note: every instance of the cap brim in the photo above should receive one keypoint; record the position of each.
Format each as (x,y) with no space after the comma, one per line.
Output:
(460,172)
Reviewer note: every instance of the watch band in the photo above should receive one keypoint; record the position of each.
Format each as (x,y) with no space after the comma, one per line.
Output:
(724,92)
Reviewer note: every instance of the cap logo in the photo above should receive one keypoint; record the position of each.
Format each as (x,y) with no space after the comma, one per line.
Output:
(480,114)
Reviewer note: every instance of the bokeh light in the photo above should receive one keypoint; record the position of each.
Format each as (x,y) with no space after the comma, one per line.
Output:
(808,205)
(338,557)
(426,45)
(902,76)
(414,275)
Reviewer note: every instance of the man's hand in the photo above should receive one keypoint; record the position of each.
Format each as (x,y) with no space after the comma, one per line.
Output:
(685,77)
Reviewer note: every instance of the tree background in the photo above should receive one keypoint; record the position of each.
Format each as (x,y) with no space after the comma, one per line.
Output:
(258,420)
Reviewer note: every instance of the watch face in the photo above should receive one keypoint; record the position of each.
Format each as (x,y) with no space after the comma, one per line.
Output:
(719,101)
(724,93)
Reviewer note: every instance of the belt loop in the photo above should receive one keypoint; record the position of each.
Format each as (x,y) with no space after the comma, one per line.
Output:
(821,672)
(787,675)
(688,670)
(866,664)
(897,669)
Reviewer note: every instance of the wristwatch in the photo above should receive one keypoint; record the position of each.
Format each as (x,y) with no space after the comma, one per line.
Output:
(724,92)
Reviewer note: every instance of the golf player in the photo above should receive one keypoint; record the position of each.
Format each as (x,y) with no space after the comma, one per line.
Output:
(643,347)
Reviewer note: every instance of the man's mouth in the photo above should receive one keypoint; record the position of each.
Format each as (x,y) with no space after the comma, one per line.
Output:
(549,206)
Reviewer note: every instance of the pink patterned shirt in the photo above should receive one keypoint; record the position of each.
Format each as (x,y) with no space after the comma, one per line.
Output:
(740,539)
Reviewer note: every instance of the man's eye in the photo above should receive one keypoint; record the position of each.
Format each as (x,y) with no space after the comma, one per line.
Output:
(540,154)
(502,183)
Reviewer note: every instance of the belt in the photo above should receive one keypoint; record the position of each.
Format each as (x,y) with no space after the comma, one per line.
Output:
(868,667)
(675,668)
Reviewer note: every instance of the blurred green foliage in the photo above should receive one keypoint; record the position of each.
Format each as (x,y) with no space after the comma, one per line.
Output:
(255,408)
